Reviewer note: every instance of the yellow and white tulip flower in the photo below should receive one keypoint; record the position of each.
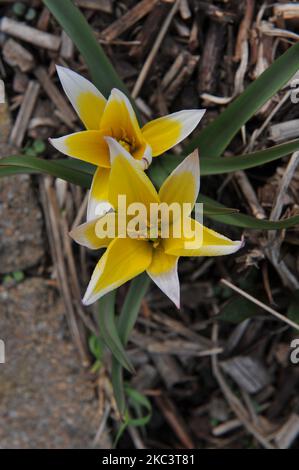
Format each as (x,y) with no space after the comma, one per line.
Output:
(130,255)
(116,118)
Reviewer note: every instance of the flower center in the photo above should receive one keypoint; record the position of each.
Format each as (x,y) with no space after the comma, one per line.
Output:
(125,144)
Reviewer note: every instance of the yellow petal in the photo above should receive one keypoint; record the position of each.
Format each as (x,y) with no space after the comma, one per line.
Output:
(165,132)
(119,121)
(123,260)
(127,179)
(85,234)
(182,185)
(86,145)
(86,99)
(98,191)
(202,241)
(164,272)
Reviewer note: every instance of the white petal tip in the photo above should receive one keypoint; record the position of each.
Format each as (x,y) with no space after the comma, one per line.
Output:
(59,144)
(238,245)
(62,71)
(88,298)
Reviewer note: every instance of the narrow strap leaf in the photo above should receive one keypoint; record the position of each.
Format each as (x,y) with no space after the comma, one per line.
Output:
(125,324)
(131,307)
(109,331)
(75,25)
(213,166)
(247,221)
(138,401)
(28,164)
(214,139)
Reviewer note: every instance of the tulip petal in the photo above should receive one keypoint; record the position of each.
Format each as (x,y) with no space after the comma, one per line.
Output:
(86,145)
(124,259)
(119,121)
(86,99)
(202,241)
(98,192)
(85,234)
(127,179)
(182,185)
(167,131)
(163,271)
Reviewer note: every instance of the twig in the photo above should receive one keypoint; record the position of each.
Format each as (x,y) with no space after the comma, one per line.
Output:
(138,443)
(129,19)
(55,95)
(249,194)
(147,64)
(175,421)
(273,248)
(233,401)
(52,222)
(80,212)
(100,5)
(260,304)
(29,34)
(18,132)
(102,425)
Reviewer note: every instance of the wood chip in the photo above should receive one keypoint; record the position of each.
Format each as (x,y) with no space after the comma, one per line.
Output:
(224,428)
(16,55)
(122,24)
(176,421)
(55,95)
(29,34)
(249,194)
(149,30)
(288,433)
(5,122)
(289,11)
(67,46)
(178,74)
(169,370)
(100,5)
(284,130)
(180,348)
(247,372)
(20,127)
(185,11)
(208,78)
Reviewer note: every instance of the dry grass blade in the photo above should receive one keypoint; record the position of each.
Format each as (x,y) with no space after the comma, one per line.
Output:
(175,421)
(234,402)
(147,64)
(260,304)
(20,127)
(51,210)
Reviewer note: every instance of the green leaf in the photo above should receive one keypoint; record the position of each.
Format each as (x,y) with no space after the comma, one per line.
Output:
(213,166)
(109,331)
(68,171)
(125,324)
(138,401)
(216,211)
(214,139)
(79,165)
(39,146)
(247,221)
(96,346)
(293,310)
(18,276)
(75,25)
(6,170)
(131,307)
(55,168)
(237,310)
